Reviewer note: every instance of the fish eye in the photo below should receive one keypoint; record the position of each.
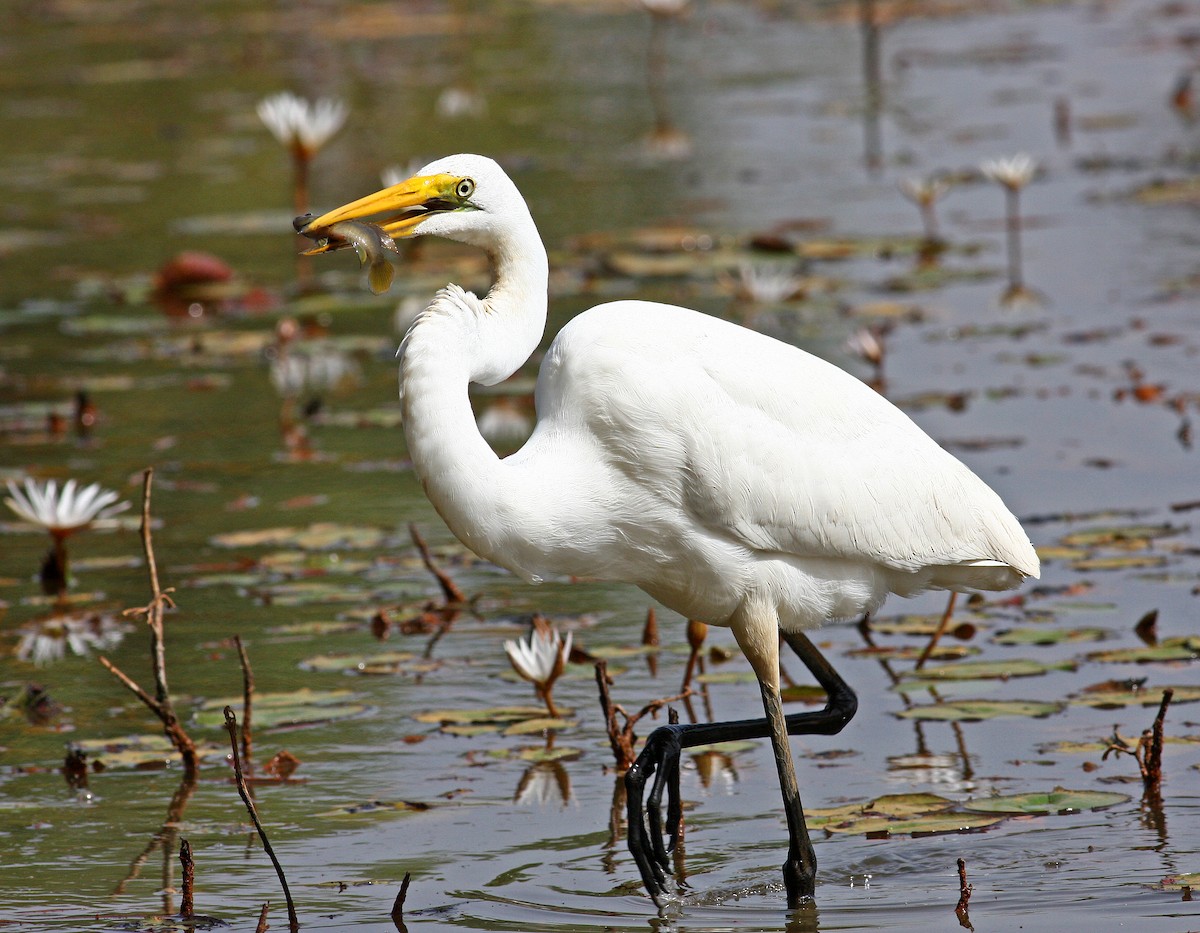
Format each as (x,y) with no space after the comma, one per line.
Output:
(465,188)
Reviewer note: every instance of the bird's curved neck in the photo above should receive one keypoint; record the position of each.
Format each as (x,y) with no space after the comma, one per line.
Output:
(456,341)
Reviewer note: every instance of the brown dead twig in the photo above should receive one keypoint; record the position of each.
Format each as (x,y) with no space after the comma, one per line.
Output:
(247,701)
(623,738)
(964,896)
(398,905)
(434,617)
(231,724)
(187,905)
(160,704)
(1148,751)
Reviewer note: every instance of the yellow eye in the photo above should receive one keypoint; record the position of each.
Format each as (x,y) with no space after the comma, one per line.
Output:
(465,188)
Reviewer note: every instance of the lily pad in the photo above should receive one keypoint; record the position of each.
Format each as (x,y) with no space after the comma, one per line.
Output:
(303,707)
(942,652)
(728,677)
(316,537)
(1185,648)
(537,753)
(512,720)
(979,710)
(899,814)
(376,808)
(537,726)
(1060,800)
(1120,562)
(140,752)
(906,625)
(800,693)
(384,662)
(1125,536)
(990,670)
(1179,882)
(1049,636)
(1119,697)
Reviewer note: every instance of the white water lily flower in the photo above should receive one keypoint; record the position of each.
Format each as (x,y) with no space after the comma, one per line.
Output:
(768,283)
(47,640)
(302,124)
(1014,172)
(540,659)
(62,512)
(923,191)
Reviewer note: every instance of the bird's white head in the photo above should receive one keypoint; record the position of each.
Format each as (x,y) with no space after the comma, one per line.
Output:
(463,197)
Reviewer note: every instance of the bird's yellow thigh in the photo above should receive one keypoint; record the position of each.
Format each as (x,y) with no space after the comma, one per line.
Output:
(755,625)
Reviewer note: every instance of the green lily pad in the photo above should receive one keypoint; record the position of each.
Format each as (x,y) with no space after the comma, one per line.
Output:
(1120,562)
(512,720)
(1049,636)
(1135,535)
(990,670)
(536,726)
(315,628)
(906,625)
(376,808)
(724,748)
(383,662)
(316,537)
(1185,648)
(802,693)
(728,677)
(978,710)
(303,707)
(1060,800)
(1142,696)
(615,652)
(933,824)
(536,753)
(898,814)
(941,652)
(1179,882)
(141,752)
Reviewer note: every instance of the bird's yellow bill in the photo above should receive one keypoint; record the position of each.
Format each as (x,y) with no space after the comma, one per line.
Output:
(400,208)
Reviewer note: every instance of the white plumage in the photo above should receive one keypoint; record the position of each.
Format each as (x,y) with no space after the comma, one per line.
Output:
(736,479)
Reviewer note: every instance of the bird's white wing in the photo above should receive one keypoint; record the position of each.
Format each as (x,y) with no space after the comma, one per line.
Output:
(771,447)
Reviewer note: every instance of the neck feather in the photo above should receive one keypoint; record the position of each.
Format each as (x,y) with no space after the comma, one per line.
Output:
(458,340)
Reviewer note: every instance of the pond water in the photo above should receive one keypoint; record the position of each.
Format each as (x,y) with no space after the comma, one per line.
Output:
(651,157)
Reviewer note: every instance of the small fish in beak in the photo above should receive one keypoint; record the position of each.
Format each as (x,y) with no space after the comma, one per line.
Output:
(372,244)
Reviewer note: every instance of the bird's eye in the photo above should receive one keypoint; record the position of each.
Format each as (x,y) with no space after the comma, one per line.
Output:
(465,188)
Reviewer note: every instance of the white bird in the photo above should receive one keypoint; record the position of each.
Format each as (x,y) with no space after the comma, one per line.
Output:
(734,478)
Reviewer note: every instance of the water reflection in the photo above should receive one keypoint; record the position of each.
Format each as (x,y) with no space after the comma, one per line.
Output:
(544,784)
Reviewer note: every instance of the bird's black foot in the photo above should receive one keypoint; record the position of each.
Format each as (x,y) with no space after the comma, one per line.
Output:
(800,876)
(659,761)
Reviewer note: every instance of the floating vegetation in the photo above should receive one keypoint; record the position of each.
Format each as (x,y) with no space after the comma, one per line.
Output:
(990,670)
(140,752)
(1050,636)
(979,710)
(319,536)
(1059,801)
(374,808)
(303,707)
(1182,648)
(481,721)
(1118,694)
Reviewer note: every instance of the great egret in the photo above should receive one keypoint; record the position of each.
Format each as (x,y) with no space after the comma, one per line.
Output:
(736,479)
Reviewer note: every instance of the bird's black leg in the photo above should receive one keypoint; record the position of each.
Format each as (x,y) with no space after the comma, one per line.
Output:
(659,760)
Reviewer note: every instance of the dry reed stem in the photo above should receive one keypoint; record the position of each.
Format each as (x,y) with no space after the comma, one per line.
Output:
(160,704)
(231,725)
